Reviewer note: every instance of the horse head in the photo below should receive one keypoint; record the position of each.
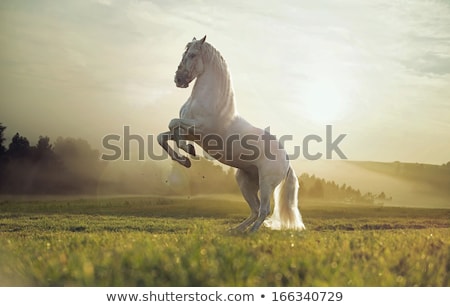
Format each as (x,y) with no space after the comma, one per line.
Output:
(191,64)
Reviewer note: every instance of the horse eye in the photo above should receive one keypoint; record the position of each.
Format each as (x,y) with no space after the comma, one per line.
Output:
(192,55)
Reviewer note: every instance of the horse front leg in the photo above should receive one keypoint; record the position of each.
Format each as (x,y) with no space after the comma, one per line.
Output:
(181,141)
(183,130)
(189,125)
(163,139)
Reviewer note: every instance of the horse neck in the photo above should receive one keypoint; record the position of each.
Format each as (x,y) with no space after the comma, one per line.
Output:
(213,87)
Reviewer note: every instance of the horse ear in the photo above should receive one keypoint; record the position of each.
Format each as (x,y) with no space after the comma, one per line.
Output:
(203,40)
(194,39)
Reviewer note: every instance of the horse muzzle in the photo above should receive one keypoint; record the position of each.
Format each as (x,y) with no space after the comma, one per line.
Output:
(182,79)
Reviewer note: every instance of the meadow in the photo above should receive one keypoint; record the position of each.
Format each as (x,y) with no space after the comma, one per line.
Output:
(181,241)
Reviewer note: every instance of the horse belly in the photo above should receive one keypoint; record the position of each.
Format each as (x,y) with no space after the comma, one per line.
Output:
(245,150)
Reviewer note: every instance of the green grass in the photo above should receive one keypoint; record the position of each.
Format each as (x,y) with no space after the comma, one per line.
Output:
(151,241)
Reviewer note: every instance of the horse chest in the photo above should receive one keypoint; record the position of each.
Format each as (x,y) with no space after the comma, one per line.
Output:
(196,111)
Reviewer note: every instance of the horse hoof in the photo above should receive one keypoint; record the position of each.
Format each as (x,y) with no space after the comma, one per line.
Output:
(183,161)
(186,163)
(254,228)
(239,229)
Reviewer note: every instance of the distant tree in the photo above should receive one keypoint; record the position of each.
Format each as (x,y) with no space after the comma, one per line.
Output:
(368,198)
(43,152)
(19,147)
(3,158)
(317,189)
(2,139)
(43,144)
(17,168)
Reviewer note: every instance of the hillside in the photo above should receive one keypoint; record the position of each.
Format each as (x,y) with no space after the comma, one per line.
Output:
(436,177)
(409,184)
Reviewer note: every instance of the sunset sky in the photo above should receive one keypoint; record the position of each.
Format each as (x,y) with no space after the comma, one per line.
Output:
(378,71)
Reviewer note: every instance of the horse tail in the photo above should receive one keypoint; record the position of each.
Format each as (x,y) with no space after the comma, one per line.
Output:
(286,214)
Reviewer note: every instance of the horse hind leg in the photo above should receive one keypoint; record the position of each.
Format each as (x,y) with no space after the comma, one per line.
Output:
(267,189)
(249,187)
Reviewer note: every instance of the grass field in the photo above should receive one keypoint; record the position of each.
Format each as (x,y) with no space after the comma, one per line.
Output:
(151,241)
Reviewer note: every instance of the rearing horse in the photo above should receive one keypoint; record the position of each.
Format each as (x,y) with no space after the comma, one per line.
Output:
(209,118)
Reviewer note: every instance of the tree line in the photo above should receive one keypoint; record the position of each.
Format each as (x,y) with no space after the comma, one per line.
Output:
(69,166)
(315,187)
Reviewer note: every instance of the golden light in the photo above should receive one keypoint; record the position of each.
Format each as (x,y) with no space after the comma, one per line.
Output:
(324,101)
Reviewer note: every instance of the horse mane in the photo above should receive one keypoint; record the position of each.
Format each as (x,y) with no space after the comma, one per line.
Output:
(212,55)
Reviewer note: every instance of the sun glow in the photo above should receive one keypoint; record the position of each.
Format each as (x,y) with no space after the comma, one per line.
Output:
(324,101)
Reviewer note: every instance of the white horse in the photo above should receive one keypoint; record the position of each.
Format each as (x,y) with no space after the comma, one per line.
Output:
(209,118)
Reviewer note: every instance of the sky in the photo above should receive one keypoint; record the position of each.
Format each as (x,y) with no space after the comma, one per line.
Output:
(377,71)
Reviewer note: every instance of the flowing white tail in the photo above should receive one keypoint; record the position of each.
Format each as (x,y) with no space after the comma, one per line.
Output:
(286,214)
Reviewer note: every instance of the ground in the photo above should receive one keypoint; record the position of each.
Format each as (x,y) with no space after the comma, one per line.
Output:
(153,241)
